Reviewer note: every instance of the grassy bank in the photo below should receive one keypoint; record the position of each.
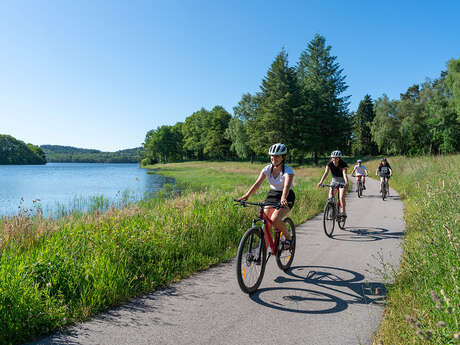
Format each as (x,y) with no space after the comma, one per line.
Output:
(424,304)
(55,272)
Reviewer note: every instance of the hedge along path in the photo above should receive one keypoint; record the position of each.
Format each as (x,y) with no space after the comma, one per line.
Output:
(334,293)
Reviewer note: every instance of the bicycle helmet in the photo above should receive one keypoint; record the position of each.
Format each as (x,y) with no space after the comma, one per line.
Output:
(277,149)
(383,159)
(336,154)
(359,161)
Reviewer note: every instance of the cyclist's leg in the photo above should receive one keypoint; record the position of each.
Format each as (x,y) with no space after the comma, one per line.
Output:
(363,179)
(277,219)
(342,200)
(381,180)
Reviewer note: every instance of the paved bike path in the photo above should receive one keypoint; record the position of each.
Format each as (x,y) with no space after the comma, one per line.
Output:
(332,295)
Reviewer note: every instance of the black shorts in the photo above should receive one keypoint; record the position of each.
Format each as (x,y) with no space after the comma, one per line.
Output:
(274,197)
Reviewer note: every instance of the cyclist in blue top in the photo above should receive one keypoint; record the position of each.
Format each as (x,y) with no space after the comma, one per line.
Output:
(385,172)
(280,177)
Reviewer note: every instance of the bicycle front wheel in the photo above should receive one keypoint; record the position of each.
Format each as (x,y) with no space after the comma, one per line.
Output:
(250,261)
(360,190)
(329,219)
(384,190)
(284,257)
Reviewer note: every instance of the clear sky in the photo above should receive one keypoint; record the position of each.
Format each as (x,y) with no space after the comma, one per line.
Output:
(100,74)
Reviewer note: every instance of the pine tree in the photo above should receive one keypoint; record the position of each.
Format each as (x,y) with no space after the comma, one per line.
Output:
(362,137)
(274,119)
(320,77)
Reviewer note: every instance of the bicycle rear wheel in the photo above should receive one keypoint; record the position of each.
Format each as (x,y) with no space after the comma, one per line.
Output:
(250,261)
(329,219)
(284,257)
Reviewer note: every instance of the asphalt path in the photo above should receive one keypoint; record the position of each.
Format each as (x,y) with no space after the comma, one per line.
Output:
(333,294)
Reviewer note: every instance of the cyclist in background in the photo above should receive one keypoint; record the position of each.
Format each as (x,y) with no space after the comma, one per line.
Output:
(338,168)
(360,171)
(280,177)
(385,172)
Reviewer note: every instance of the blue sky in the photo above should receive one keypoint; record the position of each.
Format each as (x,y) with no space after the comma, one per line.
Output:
(100,74)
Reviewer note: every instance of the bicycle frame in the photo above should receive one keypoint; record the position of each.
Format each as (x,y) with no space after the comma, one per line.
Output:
(266,227)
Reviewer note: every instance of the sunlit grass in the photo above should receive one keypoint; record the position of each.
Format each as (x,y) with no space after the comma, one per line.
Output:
(424,303)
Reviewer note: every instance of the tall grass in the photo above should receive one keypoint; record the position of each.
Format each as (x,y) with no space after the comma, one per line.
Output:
(424,303)
(57,271)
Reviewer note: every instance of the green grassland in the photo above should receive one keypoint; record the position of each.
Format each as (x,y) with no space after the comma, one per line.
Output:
(55,272)
(423,305)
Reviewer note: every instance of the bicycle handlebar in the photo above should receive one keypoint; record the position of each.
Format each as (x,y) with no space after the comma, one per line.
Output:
(245,203)
(332,186)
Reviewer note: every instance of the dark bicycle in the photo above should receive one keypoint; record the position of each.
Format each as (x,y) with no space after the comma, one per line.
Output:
(359,189)
(252,251)
(332,212)
(384,186)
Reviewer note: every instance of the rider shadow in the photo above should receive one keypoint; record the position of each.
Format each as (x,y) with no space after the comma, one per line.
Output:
(365,234)
(329,283)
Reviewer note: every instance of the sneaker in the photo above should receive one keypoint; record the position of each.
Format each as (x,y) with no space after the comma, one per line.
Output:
(330,201)
(364,187)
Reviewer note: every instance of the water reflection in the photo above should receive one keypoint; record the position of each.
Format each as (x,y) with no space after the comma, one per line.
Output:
(74,186)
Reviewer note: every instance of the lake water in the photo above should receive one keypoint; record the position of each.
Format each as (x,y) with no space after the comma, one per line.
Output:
(67,186)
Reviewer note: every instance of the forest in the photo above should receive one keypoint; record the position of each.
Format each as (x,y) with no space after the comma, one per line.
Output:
(70,154)
(306,108)
(14,151)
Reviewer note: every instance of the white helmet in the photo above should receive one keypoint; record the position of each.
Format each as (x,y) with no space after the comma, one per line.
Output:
(359,161)
(336,153)
(277,149)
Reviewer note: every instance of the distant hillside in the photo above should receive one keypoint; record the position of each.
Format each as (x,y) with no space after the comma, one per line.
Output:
(14,151)
(70,154)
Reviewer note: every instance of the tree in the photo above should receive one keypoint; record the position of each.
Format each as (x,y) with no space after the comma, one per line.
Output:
(362,120)
(163,144)
(194,134)
(274,118)
(216,146)
(385,127)
(322,83)
(453,83)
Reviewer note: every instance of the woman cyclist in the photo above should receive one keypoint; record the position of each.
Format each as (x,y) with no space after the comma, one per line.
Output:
(360,170)
(385,172)
(338,167)
(280,177)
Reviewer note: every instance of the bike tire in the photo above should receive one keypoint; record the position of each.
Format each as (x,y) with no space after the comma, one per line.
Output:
(284,257)
(341,222)
(329,219)
(249,273)
(360,190)
(384,191)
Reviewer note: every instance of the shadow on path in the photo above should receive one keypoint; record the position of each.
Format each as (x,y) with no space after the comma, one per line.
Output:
(365,234)
(344,287)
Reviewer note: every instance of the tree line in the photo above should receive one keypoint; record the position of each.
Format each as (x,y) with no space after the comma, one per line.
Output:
(14,151)
(304,106)
(70,154)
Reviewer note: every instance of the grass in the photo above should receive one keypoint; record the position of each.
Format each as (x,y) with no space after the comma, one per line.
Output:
(423,305)
(54,272)
(57,271)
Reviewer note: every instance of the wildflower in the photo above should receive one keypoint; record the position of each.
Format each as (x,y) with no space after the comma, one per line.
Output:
(441,324)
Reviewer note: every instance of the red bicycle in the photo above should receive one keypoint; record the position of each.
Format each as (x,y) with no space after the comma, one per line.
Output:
(252,251)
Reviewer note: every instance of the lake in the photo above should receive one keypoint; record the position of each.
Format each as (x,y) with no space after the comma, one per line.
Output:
(73,186)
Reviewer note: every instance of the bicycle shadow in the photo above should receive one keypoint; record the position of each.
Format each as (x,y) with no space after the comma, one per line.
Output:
(342,288)
(365,234)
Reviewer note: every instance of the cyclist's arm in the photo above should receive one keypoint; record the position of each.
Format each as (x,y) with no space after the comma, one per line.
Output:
(326,172)
(286,188)
(377,172)
(391,171)
(352,173)
(344,172)
(254,187)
